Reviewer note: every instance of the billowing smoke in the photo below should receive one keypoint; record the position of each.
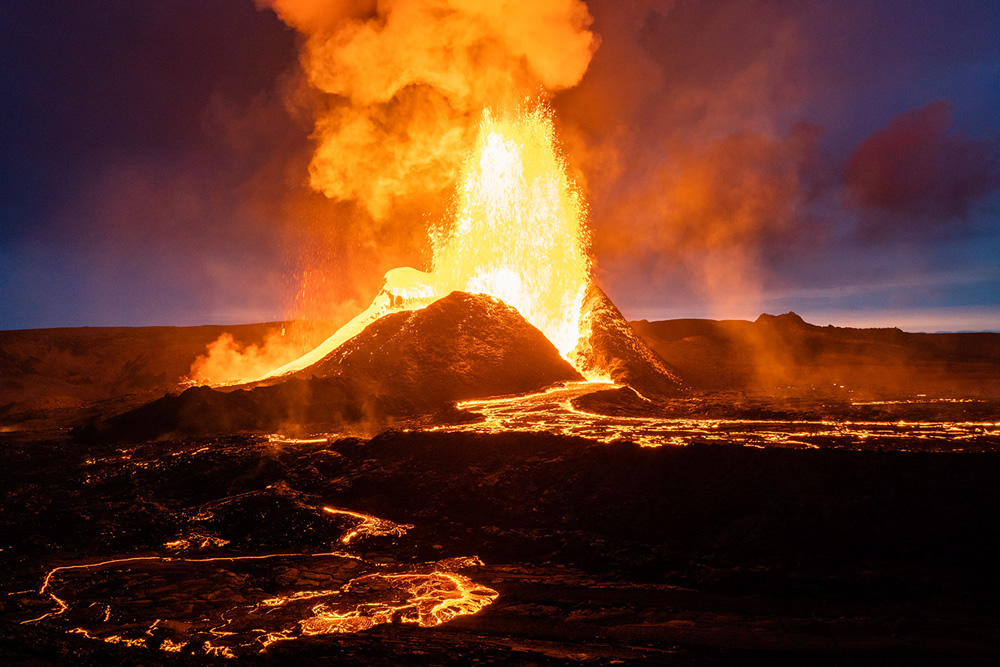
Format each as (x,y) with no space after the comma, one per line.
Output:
(679,135)
(397,89)
(915,177)
(712,213)
(403,84)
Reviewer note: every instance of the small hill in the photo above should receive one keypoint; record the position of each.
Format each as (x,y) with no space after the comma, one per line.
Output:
(461,346)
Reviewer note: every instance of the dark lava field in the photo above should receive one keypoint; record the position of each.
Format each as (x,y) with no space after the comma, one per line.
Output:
(489,533)
(598,553)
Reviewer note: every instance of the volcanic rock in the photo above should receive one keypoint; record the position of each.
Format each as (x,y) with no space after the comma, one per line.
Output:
(616,350)
(203,411)
(462,346)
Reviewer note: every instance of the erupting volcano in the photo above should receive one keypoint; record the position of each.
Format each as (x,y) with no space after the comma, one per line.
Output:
(519,235)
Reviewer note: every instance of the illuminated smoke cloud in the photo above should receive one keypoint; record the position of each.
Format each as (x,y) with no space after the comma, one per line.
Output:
(403,84)
(916,176)
(688,164)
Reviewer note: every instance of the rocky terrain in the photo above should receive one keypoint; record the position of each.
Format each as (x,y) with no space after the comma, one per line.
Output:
(52,376)
(56,375)
(821,511)
(616,351)
(598,554)
(461,346)
(403,365)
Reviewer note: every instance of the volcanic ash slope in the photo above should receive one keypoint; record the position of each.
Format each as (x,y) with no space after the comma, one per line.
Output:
(461,346)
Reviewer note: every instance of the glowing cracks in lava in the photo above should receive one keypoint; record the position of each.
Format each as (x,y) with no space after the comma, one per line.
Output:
(431,600)
(427,599)
(369,525)
(555,411)
(360,594)
(196,541)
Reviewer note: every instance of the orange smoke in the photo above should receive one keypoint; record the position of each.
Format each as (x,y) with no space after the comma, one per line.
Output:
(716,210)
(519,235)
(226,360)
(405,81)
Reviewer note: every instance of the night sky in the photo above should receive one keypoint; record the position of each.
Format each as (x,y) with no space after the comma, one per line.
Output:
(837,159)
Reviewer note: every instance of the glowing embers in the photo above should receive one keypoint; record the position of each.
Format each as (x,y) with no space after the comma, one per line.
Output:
(196,542)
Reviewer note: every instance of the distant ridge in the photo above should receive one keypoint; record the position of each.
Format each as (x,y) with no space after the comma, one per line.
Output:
(776,351)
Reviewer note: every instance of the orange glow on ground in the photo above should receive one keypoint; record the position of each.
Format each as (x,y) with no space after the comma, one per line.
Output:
(369,525)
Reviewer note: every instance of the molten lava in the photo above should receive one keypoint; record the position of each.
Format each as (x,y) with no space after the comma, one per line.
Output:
(519,235)
(520,232)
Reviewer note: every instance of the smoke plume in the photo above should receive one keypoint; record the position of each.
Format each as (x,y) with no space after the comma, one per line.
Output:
(684,135)
(396,89)
(402,84)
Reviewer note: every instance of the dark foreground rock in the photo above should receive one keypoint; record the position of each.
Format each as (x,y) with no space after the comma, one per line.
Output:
(600,554)
(288,407)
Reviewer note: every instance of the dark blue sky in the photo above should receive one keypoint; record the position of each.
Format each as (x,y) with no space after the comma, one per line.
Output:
(835,159)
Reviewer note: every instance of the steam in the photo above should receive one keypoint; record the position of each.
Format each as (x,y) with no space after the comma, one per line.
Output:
(692,169)
(403,84)
(226,360)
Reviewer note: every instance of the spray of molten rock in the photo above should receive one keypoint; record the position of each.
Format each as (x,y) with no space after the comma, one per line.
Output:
(520,236)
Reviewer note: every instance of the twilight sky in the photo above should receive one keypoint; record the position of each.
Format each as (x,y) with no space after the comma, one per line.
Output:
(841,160)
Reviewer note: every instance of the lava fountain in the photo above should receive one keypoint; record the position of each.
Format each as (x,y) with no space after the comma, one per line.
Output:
(520,232)
(519,235)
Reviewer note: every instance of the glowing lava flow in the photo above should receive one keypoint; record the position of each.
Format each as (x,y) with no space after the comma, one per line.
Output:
(554,411)
(369,525)
(219,606)
(519,235)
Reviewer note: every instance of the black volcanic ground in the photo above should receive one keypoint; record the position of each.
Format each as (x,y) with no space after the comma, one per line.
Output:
(601,553)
